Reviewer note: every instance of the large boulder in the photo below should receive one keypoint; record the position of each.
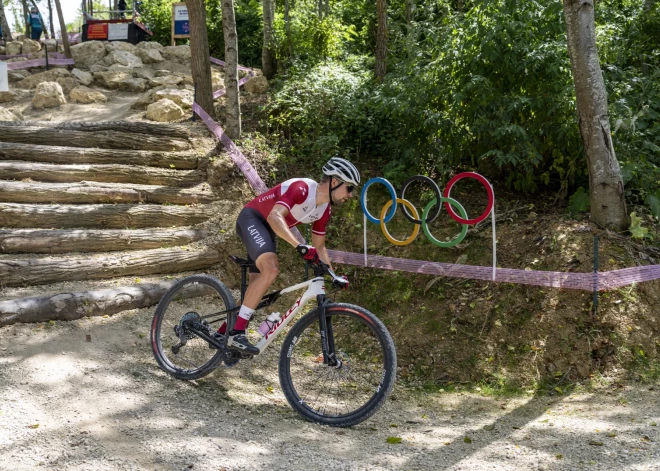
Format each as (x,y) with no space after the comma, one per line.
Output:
(136,85)
(150,45)
(164,110)
(120,46)
(183,98)
(171,80)
(17,75)
(149,97)
(149,56)
(178,53)
(13,48)
(144,73)
(256,85)
(88,53)
(11,95)
(30,46)
(51,75)
(48,95)
(83,77)
(67,84)
(86,95)
(6,115)
(123,58)
(112,79)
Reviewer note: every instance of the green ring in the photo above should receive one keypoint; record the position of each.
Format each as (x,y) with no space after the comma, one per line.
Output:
(458,239)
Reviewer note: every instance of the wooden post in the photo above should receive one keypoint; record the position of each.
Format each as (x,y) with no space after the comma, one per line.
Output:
(65,36)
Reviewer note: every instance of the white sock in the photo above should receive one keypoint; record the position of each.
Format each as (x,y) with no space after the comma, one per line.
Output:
(245,312)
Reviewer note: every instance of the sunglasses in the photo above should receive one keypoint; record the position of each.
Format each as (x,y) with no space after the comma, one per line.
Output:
(350,188)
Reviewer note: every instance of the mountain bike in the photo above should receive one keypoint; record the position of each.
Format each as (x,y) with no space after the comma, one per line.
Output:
(337,364)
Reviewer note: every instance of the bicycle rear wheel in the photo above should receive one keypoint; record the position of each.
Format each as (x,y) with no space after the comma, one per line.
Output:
(344,395)
(178,351)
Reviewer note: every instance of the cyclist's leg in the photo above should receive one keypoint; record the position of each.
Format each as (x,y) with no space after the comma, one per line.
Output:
(260,242)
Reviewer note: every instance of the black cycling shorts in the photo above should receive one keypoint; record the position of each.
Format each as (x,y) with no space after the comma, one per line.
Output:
(256,234)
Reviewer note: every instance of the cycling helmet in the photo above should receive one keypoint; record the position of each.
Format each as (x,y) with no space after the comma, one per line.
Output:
(342,169)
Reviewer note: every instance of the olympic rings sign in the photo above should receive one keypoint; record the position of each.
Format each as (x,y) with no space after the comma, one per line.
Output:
(411,214)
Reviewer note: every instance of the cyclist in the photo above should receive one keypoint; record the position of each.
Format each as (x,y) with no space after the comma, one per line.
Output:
(272,214)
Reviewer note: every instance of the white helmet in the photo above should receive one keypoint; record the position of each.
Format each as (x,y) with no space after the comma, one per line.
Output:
(342,169)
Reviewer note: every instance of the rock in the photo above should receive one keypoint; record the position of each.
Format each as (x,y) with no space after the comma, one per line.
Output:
(48,95)
(51,75)
(30,46)
(150,45)
(17,75)
(112,79)
(12,48)
(162,73)
(133,85)
(67,84)
(258,72)
(86,95)
(187,80)
(183,98)
(149,97)
(144,72)
(217,80)
(122,68)
(123,58)
(164,110)
(172,80)
(256,85)
(2,50)
(149,56)
(88,53)
(51,43)
(6,115)
(178,53)
(97,68)
(11,95)
(83,77)
(120,46)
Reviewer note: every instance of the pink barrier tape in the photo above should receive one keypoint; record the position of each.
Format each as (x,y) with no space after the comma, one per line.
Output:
(38,63)
(580,281)
(222,63)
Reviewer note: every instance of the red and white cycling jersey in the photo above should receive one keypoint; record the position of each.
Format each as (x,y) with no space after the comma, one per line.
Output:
(299,195)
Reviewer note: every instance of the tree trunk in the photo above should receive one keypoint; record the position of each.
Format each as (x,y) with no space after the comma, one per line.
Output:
(381,39)
(267,53)
(233,100)
(608,207)
(648,5)
(65,36)
(320,8)
(6,30)
(410,11)
(26,17)
(200,57)
(153,129)
(94,240)
(327,8)
(50,19)
(102,216)
(287,27)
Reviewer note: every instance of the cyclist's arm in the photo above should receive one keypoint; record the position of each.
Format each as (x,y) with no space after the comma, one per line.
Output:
(277,222)
(318,241)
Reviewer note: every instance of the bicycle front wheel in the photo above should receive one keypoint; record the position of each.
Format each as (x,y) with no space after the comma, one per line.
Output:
(354,389)
(178,350)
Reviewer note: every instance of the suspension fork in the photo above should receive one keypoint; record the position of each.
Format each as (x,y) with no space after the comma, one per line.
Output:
(327,335)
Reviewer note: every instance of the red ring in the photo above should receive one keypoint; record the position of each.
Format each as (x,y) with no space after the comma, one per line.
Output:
(489,190)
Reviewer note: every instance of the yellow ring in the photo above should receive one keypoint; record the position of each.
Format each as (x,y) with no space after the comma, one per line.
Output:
(386,233)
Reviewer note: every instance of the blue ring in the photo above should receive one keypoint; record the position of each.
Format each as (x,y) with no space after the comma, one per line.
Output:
(363,196)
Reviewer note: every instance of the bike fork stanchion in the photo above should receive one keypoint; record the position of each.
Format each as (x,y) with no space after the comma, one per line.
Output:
(306,262)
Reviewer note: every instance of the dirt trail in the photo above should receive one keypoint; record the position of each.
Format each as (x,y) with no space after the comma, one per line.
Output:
(69,404)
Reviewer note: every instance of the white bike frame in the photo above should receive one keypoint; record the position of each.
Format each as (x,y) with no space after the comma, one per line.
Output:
(315,287)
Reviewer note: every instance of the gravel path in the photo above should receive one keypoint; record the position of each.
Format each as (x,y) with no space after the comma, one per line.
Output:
(70,404)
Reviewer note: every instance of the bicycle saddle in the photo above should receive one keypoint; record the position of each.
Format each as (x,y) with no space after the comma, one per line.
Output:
(241,261)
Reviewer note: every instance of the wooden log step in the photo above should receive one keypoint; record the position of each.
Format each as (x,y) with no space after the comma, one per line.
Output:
(85,267)
(90,240)
(167,130)
(77,155)
(12,170)
(117,216)
(96,193)
(103,139)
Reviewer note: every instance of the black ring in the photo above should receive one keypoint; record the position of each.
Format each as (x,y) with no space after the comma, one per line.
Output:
(438,196)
